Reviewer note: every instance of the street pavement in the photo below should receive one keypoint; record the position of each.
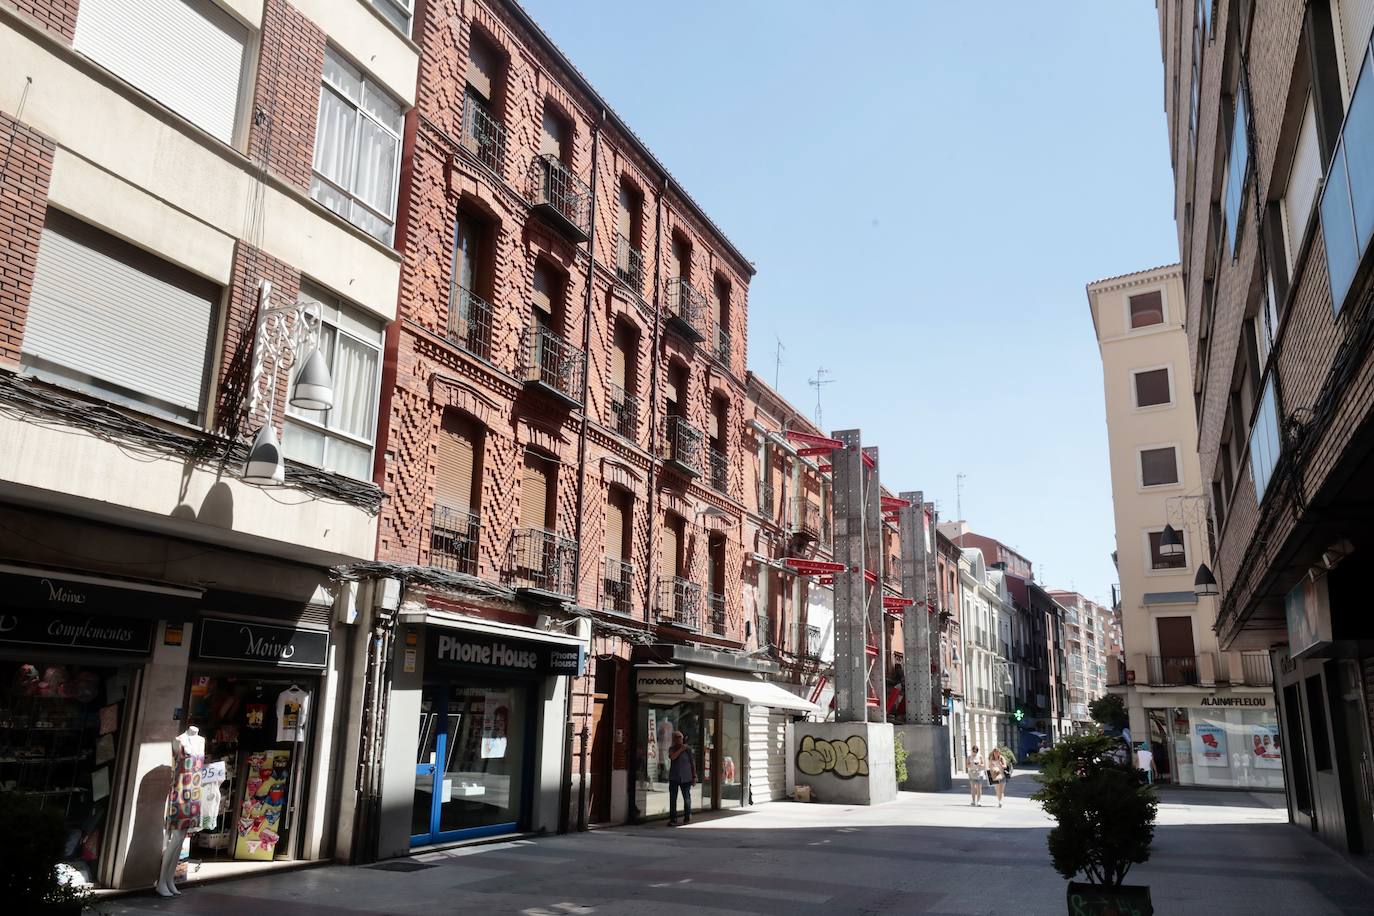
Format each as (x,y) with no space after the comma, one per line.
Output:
(1215,853)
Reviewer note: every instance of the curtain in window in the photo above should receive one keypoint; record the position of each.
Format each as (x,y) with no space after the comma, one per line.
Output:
(334,141)
(355,389)
(376,177)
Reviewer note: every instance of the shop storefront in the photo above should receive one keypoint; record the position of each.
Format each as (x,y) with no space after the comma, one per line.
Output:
(1219,740)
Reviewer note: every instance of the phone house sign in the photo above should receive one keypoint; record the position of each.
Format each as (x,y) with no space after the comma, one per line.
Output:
(447,649)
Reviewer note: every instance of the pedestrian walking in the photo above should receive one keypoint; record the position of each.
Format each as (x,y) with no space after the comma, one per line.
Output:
(997,773)
(976,770)
(682,774)
(1145,762)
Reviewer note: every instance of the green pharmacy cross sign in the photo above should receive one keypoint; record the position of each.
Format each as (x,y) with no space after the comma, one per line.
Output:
(1020,714)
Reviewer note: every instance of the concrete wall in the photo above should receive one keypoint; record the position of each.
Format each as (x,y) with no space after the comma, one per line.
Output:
(846,762)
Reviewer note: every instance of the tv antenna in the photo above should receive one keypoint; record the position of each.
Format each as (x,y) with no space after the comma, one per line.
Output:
(777,362)
(959,494)
(817,382)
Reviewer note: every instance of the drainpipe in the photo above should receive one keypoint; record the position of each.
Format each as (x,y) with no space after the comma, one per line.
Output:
(654,359)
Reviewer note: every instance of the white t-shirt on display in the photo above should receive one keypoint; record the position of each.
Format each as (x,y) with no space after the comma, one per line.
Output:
(293,712)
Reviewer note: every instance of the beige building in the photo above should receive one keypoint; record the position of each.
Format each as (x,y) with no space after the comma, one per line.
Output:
(1208,715)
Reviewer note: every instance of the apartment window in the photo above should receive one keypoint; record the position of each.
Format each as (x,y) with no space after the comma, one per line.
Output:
(112,320)
(1357,20)
(1146,309)
(397,12)
(1158,466)
(187,54)
(458,463)
(629,256)
(1237,166)
(1347,201)
(555,136)
(670,548)
(624,406)
(1153,388)
(1304,176)
(1158,560)
(340,439)
(1265,443)
(537,491)
(619,523)
(357,149)
(483,133)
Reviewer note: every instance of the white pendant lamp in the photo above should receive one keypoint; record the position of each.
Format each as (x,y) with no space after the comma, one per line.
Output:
(264,463)
(314,389)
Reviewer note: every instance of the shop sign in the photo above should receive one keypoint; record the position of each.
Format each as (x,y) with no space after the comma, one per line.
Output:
(1235,701)
(78,631)
(261,643)
(1307,607)
(661,680)
(500,654)
(41,592)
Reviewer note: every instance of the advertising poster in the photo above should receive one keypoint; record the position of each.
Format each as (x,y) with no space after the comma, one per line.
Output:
(651,748)
(665,741)
(1264,744)
(1209,745)
(495,724)
(264,802)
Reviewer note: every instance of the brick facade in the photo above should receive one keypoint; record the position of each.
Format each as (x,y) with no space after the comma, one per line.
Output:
(25,169)
(251,267)
(286,97)
(57,16)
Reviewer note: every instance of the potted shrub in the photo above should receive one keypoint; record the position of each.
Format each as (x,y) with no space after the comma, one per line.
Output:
(31,842)
(1106,821)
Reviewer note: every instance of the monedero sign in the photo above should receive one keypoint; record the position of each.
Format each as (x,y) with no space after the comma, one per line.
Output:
(262,643)
(86,632)
(447,649)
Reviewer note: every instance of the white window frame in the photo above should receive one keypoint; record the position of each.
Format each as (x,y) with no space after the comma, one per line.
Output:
(1273,443)
(360,114)
(1163,305)
(1149,558)
(1140,466)
(406,7)
(1135,392)
(331,433)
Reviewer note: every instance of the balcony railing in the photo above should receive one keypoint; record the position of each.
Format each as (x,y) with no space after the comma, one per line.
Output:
(1255,669)
(1173,670)
(560,197)
(543,561)
(719,468)
(617,579)
(717,605)
(629,264)
(806,517)
(679,603)
(469,321)
(682,444)
(553,364)
(453,539)
(813,643)
(624,412)
(720,344)
(483,135)
(686,310)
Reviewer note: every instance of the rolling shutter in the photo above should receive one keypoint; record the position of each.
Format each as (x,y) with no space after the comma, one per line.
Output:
(616,506)
(682,259)
(116,317)
(535,486)
(545,289)
(455,474)
(551,138)
(623,222)
(187,54)
(1357,21)
(619,358)
(483,67)
(1303,179)
(717,420)
(668,565)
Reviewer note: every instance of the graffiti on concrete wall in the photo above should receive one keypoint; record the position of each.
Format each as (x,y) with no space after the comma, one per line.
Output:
(844,758)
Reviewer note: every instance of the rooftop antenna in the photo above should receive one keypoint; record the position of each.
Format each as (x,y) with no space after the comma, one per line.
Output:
(816,383)
(777,362)
(959,494)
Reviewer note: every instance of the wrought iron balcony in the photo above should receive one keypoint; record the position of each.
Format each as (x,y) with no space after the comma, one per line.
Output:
(483,135)
(453,539)
(629,264)
(687,314)
(1255,669)
(720,345)
(682,444)
(806,518)
(679,603)
(469,321)
(623,412)
(553,365)
(617,579)
(542,561)
(717,602)
(719,467)
(1173,670)
(560,198)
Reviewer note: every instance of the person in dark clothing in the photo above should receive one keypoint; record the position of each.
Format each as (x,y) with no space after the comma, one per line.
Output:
(682,773)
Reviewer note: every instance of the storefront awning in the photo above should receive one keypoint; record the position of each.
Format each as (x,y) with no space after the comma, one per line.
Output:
(489,628)
(749,690)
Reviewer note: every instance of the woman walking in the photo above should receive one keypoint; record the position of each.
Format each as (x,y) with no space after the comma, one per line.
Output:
(974,765)
(997,773)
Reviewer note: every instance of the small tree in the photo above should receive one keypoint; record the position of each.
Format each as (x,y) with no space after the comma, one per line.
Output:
(1105,814)
(899,754)
(1109,711)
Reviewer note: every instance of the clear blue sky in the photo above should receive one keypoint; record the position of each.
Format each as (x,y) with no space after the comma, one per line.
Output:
(925,188)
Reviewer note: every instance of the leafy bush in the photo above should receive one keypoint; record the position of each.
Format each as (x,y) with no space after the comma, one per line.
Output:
(31,843)
(1105,812)
(1109,711)
(899,756)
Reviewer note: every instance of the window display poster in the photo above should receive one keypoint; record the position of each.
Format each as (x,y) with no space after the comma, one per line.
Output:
(1264,744)
(1209,745)
(651,747)
(665,742)
(264,802)
(495,723)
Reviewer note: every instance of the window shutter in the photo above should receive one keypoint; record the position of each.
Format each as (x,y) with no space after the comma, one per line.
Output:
(545,289)
(103,309)
(682,259)
(535,486)
(1357,20)
(668,565)
(1302,185)
(718,304)
(187,54)
(623,222)
(552,137)
(619,357)
(454,477)
(482,67)
(670,386)
(616,513)
(717,426)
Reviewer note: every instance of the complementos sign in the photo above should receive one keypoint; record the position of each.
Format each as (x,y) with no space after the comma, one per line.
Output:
(77,631)
(265,644)
(447,649)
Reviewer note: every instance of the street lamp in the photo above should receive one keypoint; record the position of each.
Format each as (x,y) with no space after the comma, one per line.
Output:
(1204,583)
(282,333)
(1170,542)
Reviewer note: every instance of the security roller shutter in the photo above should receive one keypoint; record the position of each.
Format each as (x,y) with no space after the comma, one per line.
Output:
(767,755)
(668,564)
(187,54)
(546,289)
(454,475)
(115,317)
(623,219)
(1357,21)
(1302,184)
(717,426)
(552,138)
(620,350)
(535,487)
(616,515)
(483,67)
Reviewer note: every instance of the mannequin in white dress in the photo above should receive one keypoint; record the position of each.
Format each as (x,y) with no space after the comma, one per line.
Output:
(183,804)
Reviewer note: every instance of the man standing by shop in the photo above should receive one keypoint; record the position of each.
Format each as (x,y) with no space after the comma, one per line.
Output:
(682,773)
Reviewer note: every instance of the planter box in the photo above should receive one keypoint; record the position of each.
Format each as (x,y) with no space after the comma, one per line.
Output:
(1094,900)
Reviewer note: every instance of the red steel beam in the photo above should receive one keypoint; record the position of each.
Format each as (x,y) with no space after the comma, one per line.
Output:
(813,441)
(892,503)
(892,601)
(868,461)
(812,567)
(818,450)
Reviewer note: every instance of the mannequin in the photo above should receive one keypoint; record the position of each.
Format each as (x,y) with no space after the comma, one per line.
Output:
(183,804)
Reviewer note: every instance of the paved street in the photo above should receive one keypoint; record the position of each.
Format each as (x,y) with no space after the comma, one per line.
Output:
(1215,853)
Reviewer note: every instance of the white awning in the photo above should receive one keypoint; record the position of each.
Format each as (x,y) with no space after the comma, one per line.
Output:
(433,618)
(749,690)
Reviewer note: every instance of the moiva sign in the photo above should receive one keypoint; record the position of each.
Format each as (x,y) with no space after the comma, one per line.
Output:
(511,655)
(265,644)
